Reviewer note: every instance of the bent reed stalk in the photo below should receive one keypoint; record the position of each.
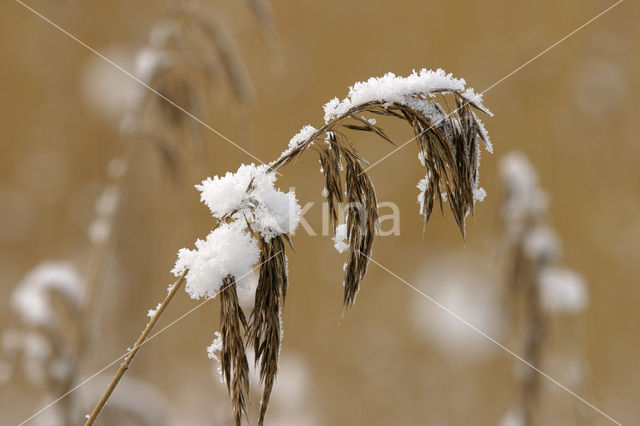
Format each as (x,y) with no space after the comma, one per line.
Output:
(448,141)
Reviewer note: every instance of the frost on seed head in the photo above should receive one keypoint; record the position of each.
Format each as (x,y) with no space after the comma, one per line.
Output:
(255,219)
(524,197)
(250,193)
(563,290)
(31,300)
(396,89)
(340,239)
(248,205)
(215,347)
(228,250)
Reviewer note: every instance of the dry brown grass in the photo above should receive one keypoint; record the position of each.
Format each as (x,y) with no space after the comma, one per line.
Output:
(196,56)
(449,146)
(233,359)
(532,249)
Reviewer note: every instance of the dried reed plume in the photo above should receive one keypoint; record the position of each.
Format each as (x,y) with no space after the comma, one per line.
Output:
(189,55)
(49,302)
(233,357)
(534,279)
(448,140)
(448,148)
(265,326)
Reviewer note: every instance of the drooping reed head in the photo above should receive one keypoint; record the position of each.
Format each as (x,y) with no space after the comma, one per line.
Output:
(535,279)
(189,55)
(448,134)
(448,139)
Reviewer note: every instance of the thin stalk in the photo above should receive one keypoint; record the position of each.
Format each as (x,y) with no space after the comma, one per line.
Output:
(101,253)
(132,353)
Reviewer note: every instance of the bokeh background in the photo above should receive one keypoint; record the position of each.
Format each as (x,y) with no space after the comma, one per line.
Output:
(396,358)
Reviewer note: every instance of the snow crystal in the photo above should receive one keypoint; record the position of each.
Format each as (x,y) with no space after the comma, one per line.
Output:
(562,290)
(422,186)
(31,296)
(99,230)
(541,242)
(215,347)
(249,200)
(340,238)
(479,194)
(270,211)
(228,250)
(524,194)
(152,312)
(422,157)
(390,89)
(483,132)
(475,99)
(107,202)
(299,138)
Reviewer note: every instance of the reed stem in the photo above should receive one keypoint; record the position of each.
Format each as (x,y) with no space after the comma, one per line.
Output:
(132,353)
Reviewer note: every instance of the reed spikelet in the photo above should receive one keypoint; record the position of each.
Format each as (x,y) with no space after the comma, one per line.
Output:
(266,322)
(233,359)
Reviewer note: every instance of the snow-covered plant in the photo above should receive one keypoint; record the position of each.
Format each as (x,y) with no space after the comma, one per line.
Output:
(255,219)
(189,54)
(448,142)
(536,277)
(49,302)
(31,298)
(188,51)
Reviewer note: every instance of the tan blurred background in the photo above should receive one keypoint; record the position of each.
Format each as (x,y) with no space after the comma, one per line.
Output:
(573,111)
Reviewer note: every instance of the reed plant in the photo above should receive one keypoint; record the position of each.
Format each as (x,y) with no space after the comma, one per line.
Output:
(254,220)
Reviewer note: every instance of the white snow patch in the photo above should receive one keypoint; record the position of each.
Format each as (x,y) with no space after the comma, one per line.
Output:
(422,186)
(524,196)
(216,346)
(147,62)
(391,89)
(298,139)
(563,290)
(461,284)
(541,242)
(228,250)
(30,299)
(270,211)
(152,312)
(340,238)
(479,194)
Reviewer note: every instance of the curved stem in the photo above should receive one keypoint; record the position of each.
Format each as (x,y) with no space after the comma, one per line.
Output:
(132,353)
(275,165)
